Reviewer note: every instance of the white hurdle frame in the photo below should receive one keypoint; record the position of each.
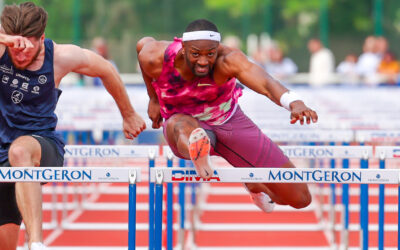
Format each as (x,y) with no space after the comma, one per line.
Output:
(82,175)
(305,152)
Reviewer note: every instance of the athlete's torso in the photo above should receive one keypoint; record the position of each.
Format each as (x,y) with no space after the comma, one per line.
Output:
(201,98)
(27,101)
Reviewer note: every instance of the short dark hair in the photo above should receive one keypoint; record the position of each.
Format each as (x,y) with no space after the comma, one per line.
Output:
(201,24)
(26,20)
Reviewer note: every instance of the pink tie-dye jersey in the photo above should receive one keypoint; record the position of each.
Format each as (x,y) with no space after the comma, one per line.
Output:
(201,98)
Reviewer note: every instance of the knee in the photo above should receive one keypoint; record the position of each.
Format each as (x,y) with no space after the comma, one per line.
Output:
(18,155)
(179,123)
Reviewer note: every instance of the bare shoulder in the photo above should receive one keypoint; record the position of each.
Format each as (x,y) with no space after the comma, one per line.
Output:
(64,53)
(67,57)
(151,55)
(230,61)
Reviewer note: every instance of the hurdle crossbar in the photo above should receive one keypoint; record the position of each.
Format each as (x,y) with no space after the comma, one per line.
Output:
(75,174)
(279,175)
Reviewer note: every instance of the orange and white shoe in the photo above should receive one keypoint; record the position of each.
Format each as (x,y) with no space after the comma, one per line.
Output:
(263,201)
(199,151)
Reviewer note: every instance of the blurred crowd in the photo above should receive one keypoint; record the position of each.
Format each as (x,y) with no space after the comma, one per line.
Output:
(376,65)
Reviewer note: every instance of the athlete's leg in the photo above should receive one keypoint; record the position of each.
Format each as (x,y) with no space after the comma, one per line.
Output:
(9,236)
(188,140)
(26,151)
(243,144)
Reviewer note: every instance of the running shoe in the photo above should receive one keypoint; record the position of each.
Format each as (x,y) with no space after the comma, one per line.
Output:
(38,246)
(263,201)
(199,151)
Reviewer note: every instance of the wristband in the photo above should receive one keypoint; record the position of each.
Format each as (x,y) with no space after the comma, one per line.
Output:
(287,98)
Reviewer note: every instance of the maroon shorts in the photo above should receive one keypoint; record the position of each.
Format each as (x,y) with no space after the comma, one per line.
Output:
(241,143)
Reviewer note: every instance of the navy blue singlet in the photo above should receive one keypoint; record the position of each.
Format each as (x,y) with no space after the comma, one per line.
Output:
(27,102)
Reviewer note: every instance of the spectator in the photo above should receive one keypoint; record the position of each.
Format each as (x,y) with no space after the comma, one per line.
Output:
(389,68)
(382,46)
(279,66)
(232,42)
(347,70)
(368,62)
(322,64)
(99,45)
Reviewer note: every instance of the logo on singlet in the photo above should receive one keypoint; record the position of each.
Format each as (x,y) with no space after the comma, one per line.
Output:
(6,69)
(42,79)
(35,90)
(14,83)
(203,84)
(25,86)
(5,79)
(16,96)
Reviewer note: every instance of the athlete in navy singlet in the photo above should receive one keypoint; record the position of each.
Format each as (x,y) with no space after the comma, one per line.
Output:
(31,68)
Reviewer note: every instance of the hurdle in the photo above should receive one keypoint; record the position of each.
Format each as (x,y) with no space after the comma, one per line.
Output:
(307,152)
(102,152)
(82,175)
(385,152)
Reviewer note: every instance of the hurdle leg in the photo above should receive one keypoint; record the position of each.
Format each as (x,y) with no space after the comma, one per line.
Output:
(364,221)
(170,212)
(158,210)
(132,211)
(181,234)
(151,202)
(381,233)
(345,201)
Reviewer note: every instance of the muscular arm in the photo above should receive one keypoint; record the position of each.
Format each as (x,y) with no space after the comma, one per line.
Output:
(235,63)
(151,56)
(71,58)
(253,76)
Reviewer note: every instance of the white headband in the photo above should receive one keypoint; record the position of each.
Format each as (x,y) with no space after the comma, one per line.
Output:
(201,35)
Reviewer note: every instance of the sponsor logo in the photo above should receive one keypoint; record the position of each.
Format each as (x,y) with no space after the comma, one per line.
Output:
(92,152)
(14,83)
(378,178)
(108,177)
(6,69)
(191,175)
(203,84)
(5,79)
(250,177)
(24,86)
(42,79)
(396,153)
(16,96)
(35,90)
(314,176)
(46,174)
(22,76)
(308,152)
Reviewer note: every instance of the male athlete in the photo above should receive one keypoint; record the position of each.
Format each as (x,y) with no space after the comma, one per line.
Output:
(191,83)
(31,68)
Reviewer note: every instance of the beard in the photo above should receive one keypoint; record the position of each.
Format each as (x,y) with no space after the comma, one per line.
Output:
(29,63)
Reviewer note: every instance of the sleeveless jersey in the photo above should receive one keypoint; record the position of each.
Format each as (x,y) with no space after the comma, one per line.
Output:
(27,102)
(201,98)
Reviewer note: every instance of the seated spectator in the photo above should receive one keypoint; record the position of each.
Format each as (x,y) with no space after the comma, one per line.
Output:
(322,64)
(389,68)
(280,67)
(347,70)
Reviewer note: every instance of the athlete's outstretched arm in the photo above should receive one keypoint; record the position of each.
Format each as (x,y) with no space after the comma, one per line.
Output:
(150,57)
(253,76)
(71,58)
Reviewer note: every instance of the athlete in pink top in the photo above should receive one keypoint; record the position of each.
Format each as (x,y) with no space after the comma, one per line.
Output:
(191,83)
